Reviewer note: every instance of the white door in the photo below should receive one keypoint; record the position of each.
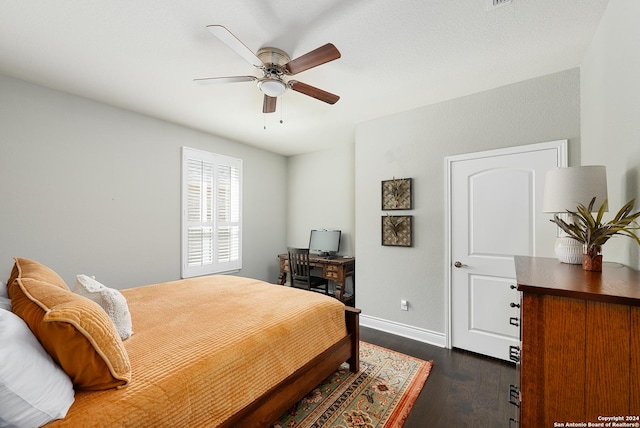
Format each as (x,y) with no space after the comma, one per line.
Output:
(495,212)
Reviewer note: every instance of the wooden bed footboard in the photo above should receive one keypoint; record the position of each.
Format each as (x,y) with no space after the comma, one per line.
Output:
(264,411)
(352,317)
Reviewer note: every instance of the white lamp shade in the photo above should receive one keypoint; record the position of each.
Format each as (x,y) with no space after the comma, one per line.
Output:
(565,188)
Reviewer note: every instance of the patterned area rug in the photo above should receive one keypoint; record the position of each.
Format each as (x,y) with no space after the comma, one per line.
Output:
(379,396)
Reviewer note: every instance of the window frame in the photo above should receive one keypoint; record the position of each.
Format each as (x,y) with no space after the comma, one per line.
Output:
(224,178)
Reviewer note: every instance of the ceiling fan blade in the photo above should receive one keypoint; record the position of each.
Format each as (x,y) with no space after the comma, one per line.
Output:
(312,59)
(311,91)
(269,104)
(230,79)
(235,44)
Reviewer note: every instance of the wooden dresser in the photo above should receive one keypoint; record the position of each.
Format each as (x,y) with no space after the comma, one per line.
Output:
(580,344)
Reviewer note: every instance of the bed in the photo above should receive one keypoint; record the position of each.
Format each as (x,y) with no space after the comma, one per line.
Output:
(208,351)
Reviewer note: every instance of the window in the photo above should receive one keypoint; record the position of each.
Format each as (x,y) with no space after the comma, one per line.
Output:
(211,213)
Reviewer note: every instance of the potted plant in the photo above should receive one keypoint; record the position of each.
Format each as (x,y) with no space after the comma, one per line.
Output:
(593,233)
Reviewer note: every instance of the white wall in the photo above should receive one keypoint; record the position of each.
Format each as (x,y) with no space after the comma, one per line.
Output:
(89,188)
(610,89)
(321,196)
(414,144)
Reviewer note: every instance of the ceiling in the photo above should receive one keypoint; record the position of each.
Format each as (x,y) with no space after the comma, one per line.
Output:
(143,55)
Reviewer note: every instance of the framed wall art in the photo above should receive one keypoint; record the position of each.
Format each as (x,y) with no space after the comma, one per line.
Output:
(397,230)
(397,194)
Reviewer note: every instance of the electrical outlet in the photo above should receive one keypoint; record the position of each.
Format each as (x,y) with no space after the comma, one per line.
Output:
(404,305)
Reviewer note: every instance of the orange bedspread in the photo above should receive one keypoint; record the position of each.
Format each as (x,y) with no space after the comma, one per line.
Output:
(204,348)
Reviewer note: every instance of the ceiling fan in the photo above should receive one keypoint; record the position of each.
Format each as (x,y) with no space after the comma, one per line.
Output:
(275,65)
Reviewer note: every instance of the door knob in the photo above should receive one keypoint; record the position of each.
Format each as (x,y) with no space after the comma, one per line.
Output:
(458,264)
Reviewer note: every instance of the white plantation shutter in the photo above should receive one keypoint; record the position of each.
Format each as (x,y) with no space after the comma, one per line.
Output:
(212,213)
(199,212)
(228,213)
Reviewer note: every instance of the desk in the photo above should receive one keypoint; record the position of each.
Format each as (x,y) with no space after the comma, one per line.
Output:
(335,268)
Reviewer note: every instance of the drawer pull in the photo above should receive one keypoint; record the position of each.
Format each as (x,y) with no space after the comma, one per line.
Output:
(513,423)
(514,395)
(513,287)
(514,305)
(514,353)
(514,321)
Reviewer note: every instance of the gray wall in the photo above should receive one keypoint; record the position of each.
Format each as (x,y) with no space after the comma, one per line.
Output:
(89,188)
(610,90)
(415,144)
(321,195)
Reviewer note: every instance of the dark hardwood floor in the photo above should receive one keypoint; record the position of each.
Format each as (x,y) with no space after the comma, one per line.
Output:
(463,389)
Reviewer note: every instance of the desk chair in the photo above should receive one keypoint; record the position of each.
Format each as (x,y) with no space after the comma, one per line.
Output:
(301,272)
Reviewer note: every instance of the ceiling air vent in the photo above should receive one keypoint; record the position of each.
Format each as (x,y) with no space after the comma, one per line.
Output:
(494,4)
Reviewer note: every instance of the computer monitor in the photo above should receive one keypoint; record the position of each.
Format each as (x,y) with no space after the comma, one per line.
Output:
(324,242)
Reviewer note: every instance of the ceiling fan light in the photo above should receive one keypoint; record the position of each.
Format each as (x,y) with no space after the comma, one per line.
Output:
(272,87)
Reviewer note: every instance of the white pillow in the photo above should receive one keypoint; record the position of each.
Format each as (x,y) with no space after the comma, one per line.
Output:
(33,389)
(5,302)
(111,300)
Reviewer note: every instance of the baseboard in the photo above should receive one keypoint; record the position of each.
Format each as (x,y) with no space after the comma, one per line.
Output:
(408,331)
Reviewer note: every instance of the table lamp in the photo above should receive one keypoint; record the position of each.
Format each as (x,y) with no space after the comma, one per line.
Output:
(564,189)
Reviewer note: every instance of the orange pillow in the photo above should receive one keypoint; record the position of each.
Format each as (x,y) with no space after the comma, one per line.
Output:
(25,268)
(76,332)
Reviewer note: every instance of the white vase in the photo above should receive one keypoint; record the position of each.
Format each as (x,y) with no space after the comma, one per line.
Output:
(568,250)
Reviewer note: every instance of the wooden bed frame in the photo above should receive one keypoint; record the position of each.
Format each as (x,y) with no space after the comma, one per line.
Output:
(154,400)
(266,409)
